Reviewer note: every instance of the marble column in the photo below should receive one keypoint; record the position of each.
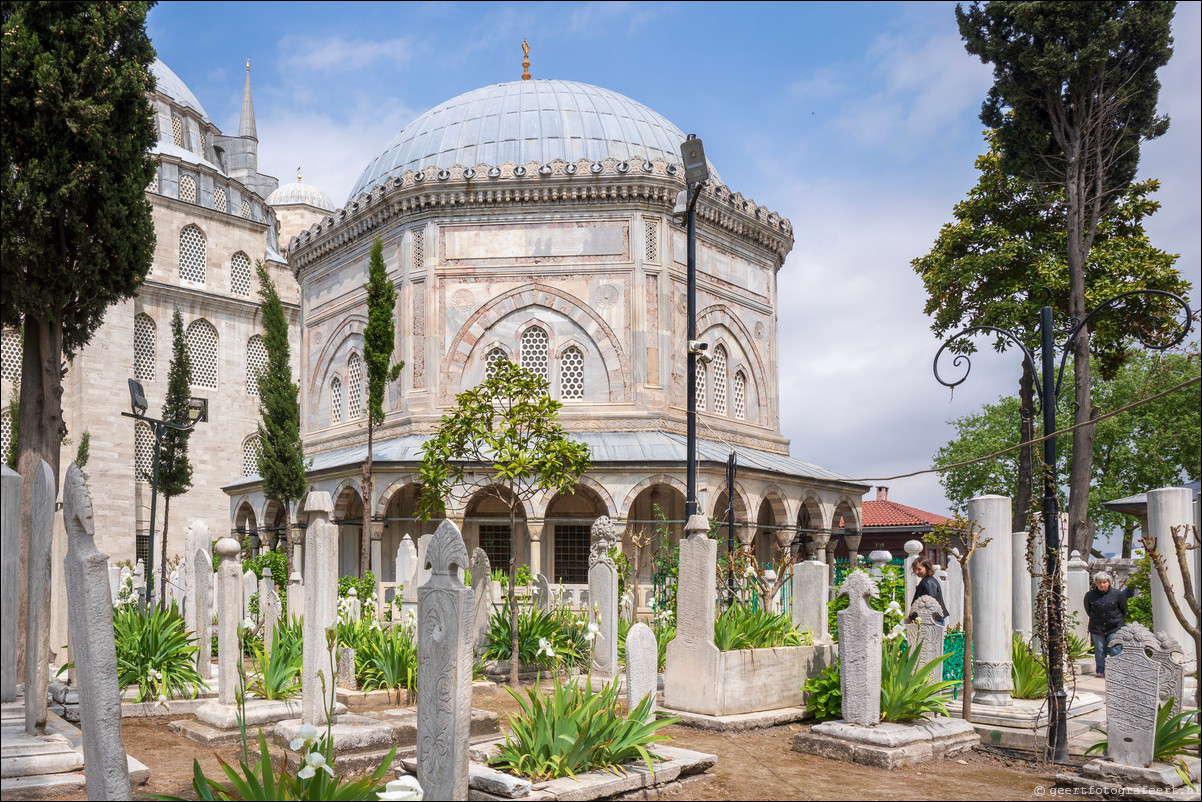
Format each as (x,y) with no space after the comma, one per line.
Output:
(1020,605)
(992,575)
(1167,508)
(321,609)
(536,547)
(1077,580)
(852,539)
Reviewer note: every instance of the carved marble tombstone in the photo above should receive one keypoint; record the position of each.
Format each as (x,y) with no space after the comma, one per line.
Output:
(230,583)
(321,608)
(1131,697)
(1170,658)
(926,630)
(692,658)
(250,586)
(444,669)
(90,620)
(269,609)
(346,669)
(542,593)
(37,618)
(406,568)
(296,595)
(953,595)
(603,598)
(423,572)
(140,580)
(195,538)
(810,594)
(482,598)
(861,633)
(913,550)
(642,666)
(10,546)
(203,611)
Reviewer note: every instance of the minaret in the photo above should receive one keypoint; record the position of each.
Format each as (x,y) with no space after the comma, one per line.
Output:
(246,125)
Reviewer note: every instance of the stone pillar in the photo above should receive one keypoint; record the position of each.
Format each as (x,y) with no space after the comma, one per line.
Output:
(991,577)
(1020,604)
(296,596)
(10,546)
(690,675)
(810,594)
(321,609)
(229,616)
(642,667)
(204,612)
(1131,698)
(195,538)
(90,619)
(913,549)
(852,539)
(819,540)
(481,598)
(953,596)
(37,618)
(831,545)
(1077,579)
(1167,508)
(861,636)
(444,669)
(535,531)
(603,599)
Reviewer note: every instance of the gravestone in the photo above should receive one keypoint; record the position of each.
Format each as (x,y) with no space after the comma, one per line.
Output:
(90,620)
(269,610)
(229,615)
(690,674)
(642,667)
(810,594)
(1170,659)
(203,579)
(913,549)
(406,569)
(175,589)
(542,593)
(296,596)
(953,595)
(481,598)
(878,558)
(139,576)
(1021,601)
(992,633)
(603,597)
(266,583)
(114,573)
(37,618)
(195,538)
(926,629)
(861,634)
(250,586)
(10,546)
(423,572)
(1077,580)
(444,668)
(321,609)
(346,669)
(350,607)
(1131,697)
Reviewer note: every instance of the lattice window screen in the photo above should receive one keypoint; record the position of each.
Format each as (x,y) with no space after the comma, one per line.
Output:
(720,380)
(251,449)
(336,400)
(240,274)
(571,375)
(144,332)
(202,353)
(246,208)
(495,540)
(10,355)
(192,255)
(220,200)
(652,241)
(571,553)
(534,351)
(187,189)
(143,452)
(354,387)
(419,247)
(6,432)
(256,363)
(740,393)
(153,186)
(700,385)
(177,130)
(494,358)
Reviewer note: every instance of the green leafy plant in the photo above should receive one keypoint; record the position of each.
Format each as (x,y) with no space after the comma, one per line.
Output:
(573,728)
(545,638)
(1139,606)
(891,585)
(740,627)
(906,690)
(387,659)
(1027,671)
(1079,648)
(824,694)
(277,671)
(155,652)
(1177,737)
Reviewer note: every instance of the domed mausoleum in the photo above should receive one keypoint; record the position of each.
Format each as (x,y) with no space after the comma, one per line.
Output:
(533,221)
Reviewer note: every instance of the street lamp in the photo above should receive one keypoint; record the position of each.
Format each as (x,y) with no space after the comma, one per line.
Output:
(197,411)
(1047,381)
(696,173)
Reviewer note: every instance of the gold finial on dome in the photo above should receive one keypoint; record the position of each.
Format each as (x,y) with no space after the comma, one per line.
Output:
(298,175)
(525,61)
(248,65)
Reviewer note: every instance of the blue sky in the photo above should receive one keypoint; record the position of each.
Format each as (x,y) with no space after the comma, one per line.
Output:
(858,121)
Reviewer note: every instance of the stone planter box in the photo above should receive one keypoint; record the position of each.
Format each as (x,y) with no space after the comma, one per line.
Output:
(717,683)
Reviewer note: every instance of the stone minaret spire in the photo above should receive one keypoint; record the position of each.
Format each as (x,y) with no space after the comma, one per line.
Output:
(246,125)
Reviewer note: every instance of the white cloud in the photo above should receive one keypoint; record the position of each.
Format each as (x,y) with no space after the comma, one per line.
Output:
(309,54)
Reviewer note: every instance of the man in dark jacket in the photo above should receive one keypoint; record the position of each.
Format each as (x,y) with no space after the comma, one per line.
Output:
(1106,607)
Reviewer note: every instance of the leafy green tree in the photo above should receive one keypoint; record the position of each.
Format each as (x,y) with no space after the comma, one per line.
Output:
(1074,96)
(1152,445)
(503,438)
(1003,257)
(83,452)
(281,462)
(175,470)
(76,129)
(378,342)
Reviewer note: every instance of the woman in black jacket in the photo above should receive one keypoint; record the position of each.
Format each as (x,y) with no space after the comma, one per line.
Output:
(1106,607)
(928,585)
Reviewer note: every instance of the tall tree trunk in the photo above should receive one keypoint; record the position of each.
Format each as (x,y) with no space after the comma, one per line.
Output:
(365,534)
(513,577)
(163,555)
(1026,454)
(42,430)
(1128,536)
(966,669)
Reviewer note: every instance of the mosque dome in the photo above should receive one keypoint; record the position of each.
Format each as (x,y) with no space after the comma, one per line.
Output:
(289,194)
(528,121)
(169,84)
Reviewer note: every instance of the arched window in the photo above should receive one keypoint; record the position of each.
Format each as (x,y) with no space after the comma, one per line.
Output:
(256,363)
(6,432)
(202,353)
(10,355)
(246,208)
(240,274)
(187,189)
(700,384)
(144,333)
(571,375)
(220,202)
(534,351)
(192,255)
(354,387)
(740,392)
(335,400)
(252,448)
(143,452)
(177,130)
(720,380)
(495,357)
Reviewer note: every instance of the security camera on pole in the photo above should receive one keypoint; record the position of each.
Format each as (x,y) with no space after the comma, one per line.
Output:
(696,172)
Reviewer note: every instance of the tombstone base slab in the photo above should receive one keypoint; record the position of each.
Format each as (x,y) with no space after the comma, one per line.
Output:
(888,745)
(1159,781)
(401,697)
(739,721)
(351,733)
(484,726)
(258,711)
(1026,713)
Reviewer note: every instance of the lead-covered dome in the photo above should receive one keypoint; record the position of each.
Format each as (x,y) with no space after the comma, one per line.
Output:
(527,121)
(169,84)
(291,194)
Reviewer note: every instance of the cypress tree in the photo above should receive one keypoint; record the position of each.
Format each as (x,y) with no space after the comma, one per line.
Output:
(175,471)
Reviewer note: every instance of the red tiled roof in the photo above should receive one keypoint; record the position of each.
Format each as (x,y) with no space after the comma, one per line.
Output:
(890,513)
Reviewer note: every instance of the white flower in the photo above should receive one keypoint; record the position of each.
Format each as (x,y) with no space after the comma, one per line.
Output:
(544,647)
(162,702)
(749,571)
(593,631)
(248,623)
(898,631)
(405,789)
(894,608)
(307,734)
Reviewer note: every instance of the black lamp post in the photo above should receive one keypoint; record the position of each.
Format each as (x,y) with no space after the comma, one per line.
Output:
(696,172)
(1047,381)
(137,401)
